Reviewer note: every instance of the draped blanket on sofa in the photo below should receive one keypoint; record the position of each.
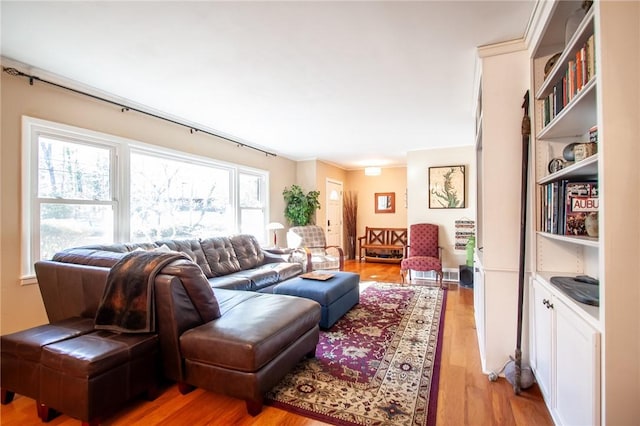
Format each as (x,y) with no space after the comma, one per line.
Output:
(127,305)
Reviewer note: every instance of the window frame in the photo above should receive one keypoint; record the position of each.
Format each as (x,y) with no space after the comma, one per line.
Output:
(121,150)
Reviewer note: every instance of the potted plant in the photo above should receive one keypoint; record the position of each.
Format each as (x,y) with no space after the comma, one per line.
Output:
(300,207)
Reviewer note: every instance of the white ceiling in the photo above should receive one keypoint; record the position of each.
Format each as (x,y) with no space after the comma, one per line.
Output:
(353,83)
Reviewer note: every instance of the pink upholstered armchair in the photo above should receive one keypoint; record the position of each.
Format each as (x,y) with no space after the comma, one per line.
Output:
(422,253)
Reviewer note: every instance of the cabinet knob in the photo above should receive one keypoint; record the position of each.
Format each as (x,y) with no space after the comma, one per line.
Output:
(548,304)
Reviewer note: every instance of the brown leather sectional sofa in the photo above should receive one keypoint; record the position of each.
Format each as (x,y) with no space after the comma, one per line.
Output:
(218,327)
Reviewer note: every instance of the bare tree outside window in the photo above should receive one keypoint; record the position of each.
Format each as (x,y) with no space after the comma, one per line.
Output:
(74,195)
(172,199)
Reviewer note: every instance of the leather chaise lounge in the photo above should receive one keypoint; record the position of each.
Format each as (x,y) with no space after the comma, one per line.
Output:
(207,333)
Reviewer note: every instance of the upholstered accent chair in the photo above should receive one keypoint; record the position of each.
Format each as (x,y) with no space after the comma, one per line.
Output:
(311,241)
(422,253)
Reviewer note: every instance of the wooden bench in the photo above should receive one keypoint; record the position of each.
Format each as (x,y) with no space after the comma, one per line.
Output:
(385,245)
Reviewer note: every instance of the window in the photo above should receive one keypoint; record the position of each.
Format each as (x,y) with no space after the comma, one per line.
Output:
(92,188)
(74,201)
(178,199)
(252,202)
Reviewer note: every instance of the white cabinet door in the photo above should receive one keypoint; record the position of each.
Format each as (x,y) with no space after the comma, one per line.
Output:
(541,354)
(577,369)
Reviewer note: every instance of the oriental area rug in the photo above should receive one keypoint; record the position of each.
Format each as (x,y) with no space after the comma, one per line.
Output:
(378,365)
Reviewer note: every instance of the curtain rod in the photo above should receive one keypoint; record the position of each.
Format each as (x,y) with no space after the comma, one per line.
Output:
(126,108)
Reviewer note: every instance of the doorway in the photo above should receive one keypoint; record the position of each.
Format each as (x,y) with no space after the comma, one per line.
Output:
(333,225)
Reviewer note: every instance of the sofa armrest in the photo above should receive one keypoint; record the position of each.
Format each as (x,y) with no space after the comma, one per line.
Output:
(271,257)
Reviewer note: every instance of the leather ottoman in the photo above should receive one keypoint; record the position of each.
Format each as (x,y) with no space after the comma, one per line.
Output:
(91,376)
(336,295)
(20,355)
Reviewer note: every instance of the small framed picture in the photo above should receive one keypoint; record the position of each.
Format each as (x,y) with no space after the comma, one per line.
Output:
(446,187)
(385,202)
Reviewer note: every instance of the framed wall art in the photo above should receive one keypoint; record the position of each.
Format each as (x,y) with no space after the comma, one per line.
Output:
(385,202)
(446,187)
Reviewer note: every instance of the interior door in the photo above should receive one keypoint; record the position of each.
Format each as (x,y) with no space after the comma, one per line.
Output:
(334,213)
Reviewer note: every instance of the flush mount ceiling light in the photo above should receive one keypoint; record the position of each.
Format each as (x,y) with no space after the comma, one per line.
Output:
(372,171)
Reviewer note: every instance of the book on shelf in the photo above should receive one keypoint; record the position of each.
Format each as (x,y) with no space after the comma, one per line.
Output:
(581,201)
(565,206)
(580,70)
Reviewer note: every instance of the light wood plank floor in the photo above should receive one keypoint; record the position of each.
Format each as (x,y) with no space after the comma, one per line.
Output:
(466,397)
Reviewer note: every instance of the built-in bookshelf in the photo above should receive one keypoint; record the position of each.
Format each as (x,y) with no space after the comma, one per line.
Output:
(570,125)
(577,349)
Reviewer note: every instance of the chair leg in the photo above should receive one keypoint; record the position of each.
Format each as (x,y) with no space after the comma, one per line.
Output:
(6,396)
(403,273)
(440,275)
(254,406)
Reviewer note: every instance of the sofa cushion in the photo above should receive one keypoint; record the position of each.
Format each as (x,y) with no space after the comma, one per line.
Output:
(220,255)
(231,282)
(251,333)
(285,270)
(191,248)
(248,251)
(260,277)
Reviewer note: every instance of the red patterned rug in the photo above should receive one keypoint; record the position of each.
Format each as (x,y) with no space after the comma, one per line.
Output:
(378,365)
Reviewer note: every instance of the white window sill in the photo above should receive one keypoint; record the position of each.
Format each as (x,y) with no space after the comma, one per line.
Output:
(28,280)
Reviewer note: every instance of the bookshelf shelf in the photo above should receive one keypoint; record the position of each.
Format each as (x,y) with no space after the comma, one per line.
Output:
(585,169)
(587,312)
(576,118)
(579,240)
(584,31)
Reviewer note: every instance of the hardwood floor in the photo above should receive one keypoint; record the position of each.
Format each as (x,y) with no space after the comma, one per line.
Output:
(466,396)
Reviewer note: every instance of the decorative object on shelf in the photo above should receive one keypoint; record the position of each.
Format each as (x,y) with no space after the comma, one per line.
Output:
(385,202)
(567,152)
(584,150)
(573,22)
(593,134)
(591,224)
(550,63)
(556,165)
(300,207)
(274,226)
(446,187)
(350,213)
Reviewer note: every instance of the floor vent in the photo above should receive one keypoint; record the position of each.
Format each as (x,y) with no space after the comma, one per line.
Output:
(451,275)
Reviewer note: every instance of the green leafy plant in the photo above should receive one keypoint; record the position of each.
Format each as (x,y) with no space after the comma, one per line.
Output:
(300,207)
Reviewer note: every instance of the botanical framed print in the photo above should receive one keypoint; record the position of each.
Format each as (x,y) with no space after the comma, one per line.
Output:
(446,187)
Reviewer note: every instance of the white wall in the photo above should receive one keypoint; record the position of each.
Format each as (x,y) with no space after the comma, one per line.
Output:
(418,211)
